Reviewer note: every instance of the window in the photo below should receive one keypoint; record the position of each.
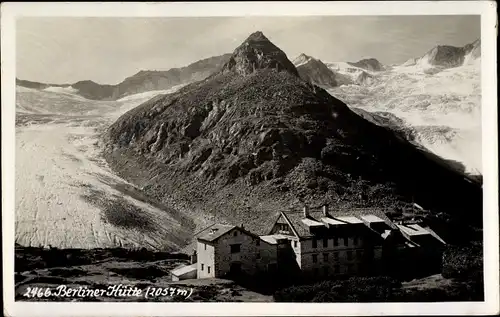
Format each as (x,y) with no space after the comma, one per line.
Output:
(205,245)
(235,233)
(355,240)
(235,248)
(258,255)
(272,267)
(325,243)
(315,258)
(335,241)
(294,244)
(346,241)
(202,266)
(349,255)
(257,242)
(315,243)
(325,257)
(208,269)
(336,269)
(325,270)
(359,253)
(336,256)
(350,268)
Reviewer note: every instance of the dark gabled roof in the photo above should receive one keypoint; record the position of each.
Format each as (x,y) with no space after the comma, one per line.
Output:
(295,218)
(214,232)
(217,230)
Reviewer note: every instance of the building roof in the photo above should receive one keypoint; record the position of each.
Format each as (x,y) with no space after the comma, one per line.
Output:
(371,218)
(350,219)
(273,238)
(312,223)
(217,230)
(345,217)
(183,270)
(413,230)
(214,232)
(331,221)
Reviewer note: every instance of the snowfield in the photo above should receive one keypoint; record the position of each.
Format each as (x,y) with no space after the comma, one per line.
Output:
(442,107)
(66,196)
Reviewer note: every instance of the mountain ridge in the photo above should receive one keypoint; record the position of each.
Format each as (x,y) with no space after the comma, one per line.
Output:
(142,81)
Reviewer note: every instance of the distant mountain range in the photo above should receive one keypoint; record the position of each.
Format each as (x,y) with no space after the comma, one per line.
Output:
(336,74)
(141,82)
(326,75)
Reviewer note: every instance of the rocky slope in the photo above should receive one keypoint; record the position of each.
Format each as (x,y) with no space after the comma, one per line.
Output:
(141,82)
(255,138)
(314,71)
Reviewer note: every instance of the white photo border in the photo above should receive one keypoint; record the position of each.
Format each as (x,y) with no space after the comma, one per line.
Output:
(486,9)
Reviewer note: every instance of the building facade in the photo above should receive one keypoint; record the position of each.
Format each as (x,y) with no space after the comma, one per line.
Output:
(325,246)
(315,244)
(224,250)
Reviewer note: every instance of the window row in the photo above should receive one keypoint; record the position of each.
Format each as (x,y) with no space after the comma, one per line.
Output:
(355,241)
(203,267)
(336,269)
(349,255)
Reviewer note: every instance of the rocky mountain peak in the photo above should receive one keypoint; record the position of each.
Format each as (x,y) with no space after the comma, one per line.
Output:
(258,52)
(257,36)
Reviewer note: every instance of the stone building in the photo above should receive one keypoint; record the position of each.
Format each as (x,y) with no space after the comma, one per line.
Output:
(317,244)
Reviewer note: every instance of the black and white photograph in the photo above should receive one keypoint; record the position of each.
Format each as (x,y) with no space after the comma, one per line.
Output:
(179,156)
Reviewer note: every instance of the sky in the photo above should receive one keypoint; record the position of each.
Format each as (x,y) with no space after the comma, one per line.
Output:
(108,49)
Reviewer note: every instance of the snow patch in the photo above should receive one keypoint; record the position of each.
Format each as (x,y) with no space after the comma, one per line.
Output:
(62,90)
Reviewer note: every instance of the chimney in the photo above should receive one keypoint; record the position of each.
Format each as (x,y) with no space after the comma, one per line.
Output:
(306,211)
(325,210)
(242,226)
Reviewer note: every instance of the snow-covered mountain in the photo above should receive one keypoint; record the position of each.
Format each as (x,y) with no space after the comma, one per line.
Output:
(315,71)
(437,97)
(446,56)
